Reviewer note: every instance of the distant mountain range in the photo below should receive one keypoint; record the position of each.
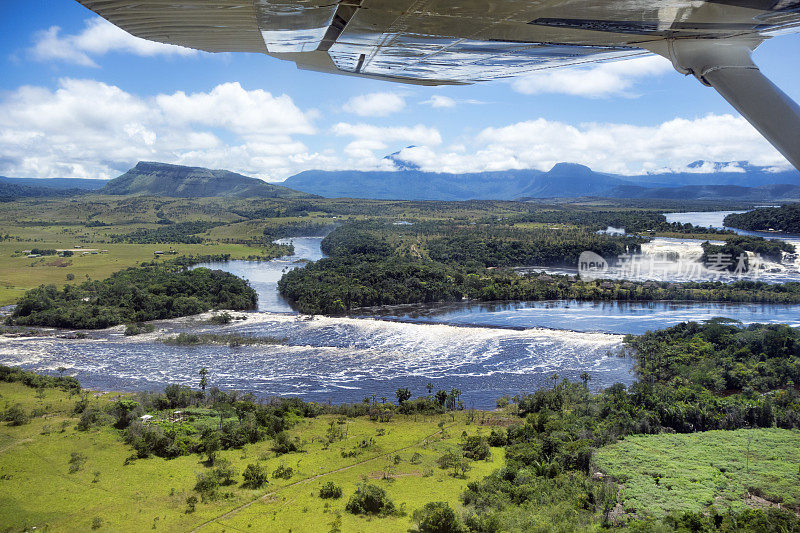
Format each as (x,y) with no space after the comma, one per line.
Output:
(161,179)
(56,183)
(564,180)
(408,182)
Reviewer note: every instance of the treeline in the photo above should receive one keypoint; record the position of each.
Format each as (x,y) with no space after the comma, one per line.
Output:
(174,232)
(632,221)
(133,295)
(692,377)
(38,381)
(364,270)
(785,218)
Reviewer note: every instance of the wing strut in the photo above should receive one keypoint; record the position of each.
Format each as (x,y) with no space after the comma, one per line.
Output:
(727,66)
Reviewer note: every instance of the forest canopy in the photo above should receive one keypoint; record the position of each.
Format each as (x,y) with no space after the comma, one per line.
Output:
(785,218)
(133,295)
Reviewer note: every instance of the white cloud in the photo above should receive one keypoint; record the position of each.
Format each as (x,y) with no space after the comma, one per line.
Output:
(375,104)
(229,106)
(419,134)
(595,81)
(86,128)
(439,101)
(98,38)
(371,143)
(617,148)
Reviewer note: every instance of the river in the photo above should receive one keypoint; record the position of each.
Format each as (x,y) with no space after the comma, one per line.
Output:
(486,350)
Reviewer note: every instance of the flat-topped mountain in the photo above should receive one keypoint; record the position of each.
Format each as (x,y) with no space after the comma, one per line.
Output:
(161,179)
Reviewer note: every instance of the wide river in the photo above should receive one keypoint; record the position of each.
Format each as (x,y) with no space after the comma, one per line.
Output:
(485,350)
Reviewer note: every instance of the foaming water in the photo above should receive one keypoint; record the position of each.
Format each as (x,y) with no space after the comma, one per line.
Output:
(338,359)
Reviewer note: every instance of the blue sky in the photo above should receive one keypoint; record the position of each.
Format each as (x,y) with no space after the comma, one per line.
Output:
(78,98)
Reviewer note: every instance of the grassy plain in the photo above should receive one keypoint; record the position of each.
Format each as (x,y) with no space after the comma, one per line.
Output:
(38,490)
(726,469)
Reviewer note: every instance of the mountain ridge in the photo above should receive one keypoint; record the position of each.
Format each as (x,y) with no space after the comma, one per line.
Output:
(562,180)
(149,178)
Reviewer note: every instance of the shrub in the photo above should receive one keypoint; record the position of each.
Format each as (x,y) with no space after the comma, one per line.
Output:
(89,418)
(224,472)
(283,472)
(76,461)
(254,476)
(191,504)
(221,319)
(207,485)
(476,448)
(497,437)
(370,500)
(284,443)
(455,461)
(330,490)
(16,416)
(438,517)
(139,328)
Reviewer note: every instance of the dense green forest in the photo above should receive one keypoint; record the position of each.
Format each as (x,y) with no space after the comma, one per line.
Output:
(370,265)
(692,377)
(785,218)
(133,295)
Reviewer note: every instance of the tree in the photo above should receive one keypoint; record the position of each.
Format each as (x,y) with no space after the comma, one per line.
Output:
(254,476)
(429,388)
(371,500)
(330,490)
(211,444)
(203,378)
(438,517)
(403,395)
(441,397)
(455,461)
(586,377)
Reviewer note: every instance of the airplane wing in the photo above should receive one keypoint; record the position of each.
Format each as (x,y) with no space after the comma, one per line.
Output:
(434,42)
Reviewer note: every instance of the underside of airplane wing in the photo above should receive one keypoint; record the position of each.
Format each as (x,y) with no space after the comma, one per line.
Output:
(434,42)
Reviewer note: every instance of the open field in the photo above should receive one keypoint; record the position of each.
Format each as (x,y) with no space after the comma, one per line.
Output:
(38,489)
(661,473)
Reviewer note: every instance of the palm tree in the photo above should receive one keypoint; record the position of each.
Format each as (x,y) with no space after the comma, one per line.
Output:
(586,377)
(203,378)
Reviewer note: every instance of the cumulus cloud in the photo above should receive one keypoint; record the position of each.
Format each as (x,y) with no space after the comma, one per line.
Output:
(375,104)
(595,81)
(608,147)
(98,38)
(439,101)
(371,143)
(87,128)
(243,112)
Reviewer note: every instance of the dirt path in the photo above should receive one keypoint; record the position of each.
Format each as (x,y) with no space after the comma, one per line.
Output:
(307,480)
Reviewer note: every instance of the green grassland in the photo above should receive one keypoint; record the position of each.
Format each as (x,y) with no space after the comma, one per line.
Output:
(38,490)
(661,473)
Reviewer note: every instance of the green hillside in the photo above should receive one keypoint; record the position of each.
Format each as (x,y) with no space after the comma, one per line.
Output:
(161,179)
